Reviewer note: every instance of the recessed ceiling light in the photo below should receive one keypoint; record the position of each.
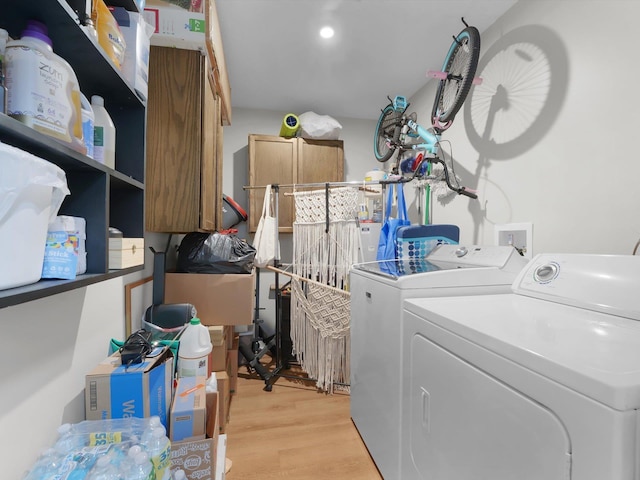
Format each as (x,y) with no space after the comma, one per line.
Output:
(326,32)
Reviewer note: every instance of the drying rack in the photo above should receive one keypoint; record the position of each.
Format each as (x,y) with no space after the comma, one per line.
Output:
(270,377)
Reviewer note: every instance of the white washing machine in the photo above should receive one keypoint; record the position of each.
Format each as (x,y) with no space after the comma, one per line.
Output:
(539,384)
(377,291)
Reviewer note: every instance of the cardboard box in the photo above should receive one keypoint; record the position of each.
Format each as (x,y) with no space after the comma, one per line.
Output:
(125,252)
(139,390)
(198,458)
(217,334)
(188,410)
(224,400)
(174,26)
(229,333)
(221,458)
(218,355)
(232,365)
(196,6)
(137,36)
(220,299)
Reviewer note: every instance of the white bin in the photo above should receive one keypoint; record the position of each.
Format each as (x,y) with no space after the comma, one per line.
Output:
(31,193)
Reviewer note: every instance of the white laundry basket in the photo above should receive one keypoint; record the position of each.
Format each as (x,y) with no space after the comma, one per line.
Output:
(31,193)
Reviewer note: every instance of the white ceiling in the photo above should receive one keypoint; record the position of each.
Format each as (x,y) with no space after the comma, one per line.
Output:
(276,59)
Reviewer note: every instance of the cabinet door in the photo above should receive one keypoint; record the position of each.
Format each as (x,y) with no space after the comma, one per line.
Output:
(271,160)
(320,161)
(219,161)
(208,182)
(174,142)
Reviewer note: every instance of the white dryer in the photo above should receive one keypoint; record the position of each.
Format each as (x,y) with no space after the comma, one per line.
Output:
(539,384)
(377,292)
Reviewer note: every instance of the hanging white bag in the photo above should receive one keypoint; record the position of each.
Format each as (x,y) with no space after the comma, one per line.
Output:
(265,240)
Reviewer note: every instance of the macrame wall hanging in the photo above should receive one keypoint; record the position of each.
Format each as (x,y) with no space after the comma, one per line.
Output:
(325,245)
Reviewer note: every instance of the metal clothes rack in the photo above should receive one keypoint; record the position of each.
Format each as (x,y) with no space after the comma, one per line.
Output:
(270,377)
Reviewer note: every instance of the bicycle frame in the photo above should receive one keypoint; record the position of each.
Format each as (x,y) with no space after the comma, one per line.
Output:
(431,143)
(431,140)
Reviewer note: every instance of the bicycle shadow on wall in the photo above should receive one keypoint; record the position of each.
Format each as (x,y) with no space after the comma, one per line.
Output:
(525,79)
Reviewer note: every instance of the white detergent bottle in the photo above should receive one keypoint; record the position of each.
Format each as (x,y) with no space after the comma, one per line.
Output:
(104,134)
(88,121)
(194,349)
(42,88)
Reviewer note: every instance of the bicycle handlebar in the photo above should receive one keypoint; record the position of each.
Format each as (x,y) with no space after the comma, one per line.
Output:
(458,190)
(466,193)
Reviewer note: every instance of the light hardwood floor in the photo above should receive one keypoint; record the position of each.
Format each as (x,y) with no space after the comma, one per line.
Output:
(293,432)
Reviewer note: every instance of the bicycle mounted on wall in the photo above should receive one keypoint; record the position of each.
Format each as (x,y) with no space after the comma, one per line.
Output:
(398,131)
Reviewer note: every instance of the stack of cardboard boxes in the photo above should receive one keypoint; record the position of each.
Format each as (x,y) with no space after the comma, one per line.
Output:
(196,421)
(190,414)
(222,301)
(194,429)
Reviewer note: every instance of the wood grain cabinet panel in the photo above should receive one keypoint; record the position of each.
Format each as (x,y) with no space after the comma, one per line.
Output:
(184,159)
(286,161)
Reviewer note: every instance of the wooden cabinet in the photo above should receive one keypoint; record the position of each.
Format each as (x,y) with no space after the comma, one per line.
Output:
(103,196)
(184,155)
(288,161)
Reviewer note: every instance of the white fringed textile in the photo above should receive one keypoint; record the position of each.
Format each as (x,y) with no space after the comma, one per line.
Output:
(320,332)
(319,314)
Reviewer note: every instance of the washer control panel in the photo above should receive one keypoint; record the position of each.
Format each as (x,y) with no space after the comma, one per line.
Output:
(604,283)
(476,255)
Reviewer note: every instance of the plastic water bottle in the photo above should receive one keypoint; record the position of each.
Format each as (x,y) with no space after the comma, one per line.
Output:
(127,461)
(68,439)
(147,435)
(193,352)
(377,211)
(82,462)
(179,475)
(104,470)
(104,134)
(159,450)
(141,469)
(47,464)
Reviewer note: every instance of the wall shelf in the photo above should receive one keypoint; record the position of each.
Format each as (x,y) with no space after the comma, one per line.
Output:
(103,196)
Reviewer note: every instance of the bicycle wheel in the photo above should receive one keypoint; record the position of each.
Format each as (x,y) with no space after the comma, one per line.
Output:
(460,65)
(387,133)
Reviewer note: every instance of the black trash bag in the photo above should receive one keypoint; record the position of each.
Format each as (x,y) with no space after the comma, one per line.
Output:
(214,253)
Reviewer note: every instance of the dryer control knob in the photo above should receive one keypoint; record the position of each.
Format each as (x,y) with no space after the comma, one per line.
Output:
(546,273)
(461,252)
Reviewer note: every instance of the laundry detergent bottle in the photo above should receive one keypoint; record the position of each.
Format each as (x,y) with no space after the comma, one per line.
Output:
(104,133)
(42,88)
(193,352)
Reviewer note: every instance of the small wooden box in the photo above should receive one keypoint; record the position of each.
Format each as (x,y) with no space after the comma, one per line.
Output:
(125,252)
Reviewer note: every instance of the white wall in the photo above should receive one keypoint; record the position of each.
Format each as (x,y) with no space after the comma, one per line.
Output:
(560,150)
(48,346)
(573,174)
